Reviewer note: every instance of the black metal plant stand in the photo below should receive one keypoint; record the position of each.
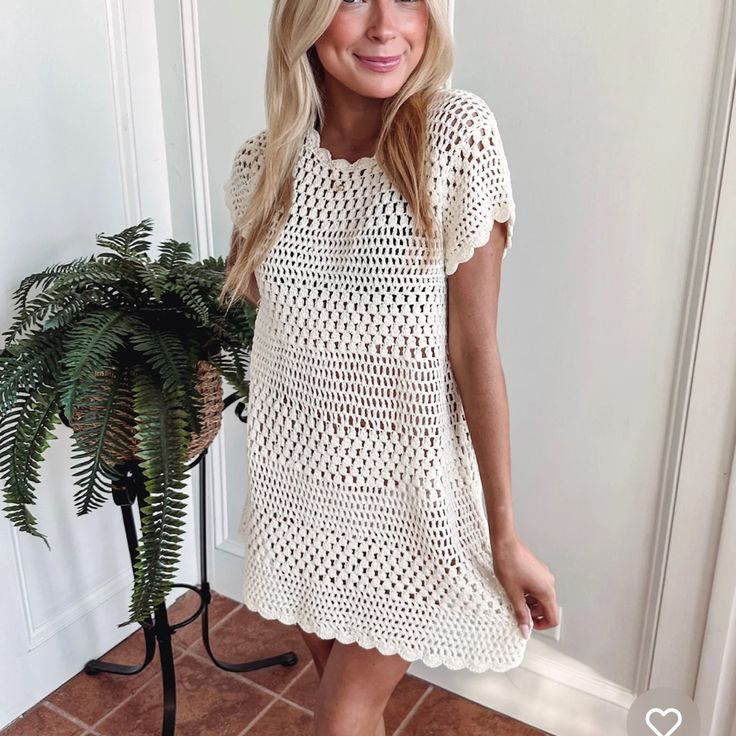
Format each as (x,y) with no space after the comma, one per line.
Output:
(125,493)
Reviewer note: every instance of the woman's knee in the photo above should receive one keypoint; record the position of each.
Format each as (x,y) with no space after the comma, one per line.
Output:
(354,690)
(345,711)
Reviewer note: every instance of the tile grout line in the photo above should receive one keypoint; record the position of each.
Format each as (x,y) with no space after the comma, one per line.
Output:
(239,676)
(225,617)
(243,679)
(412,712)
(90,729)
(176,658)
(61,712)
(133,694)
(284,699)
(258,717)
(211,630)
(288,700)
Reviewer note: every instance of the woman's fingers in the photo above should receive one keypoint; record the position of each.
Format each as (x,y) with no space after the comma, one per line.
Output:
(521,611)
(522,615)
(543,610)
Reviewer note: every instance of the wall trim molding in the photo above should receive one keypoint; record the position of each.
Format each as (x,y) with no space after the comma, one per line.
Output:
(715,685)
(702,435)
(217,477)
(39,632)
(122,95)
(196,127)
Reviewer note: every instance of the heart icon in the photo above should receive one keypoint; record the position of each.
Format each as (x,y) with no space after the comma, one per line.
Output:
(663,713)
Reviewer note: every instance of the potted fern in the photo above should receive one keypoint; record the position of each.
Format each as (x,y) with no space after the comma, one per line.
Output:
(131,351)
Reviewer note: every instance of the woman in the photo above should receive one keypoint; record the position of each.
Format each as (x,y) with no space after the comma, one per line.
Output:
(370,219)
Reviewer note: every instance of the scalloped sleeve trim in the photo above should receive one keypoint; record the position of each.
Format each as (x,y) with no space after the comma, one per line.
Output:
(478,188)
(503,212)
(241,181)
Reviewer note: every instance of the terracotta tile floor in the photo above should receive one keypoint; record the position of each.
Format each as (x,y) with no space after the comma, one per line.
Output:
(212,702)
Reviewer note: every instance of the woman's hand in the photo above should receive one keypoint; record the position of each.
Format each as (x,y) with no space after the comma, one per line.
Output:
(528,582)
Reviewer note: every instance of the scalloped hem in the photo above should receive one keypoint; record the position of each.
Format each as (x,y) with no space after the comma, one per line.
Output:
(505,212)
(384,647)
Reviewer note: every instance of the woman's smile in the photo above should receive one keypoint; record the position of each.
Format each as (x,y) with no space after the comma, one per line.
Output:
(380,63)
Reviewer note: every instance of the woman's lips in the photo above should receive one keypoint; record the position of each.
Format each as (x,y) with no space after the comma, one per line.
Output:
(380,63)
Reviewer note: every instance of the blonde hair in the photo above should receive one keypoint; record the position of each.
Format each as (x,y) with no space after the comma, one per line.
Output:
(293,97)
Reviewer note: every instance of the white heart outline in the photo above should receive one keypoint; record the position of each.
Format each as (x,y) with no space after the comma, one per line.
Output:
(663,713)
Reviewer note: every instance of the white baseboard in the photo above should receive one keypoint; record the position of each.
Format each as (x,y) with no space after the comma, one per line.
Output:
(550,692)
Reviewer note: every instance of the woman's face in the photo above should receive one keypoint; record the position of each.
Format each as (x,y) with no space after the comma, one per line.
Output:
(374,29)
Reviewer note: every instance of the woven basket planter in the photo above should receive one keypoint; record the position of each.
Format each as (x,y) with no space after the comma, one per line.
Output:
(209,385)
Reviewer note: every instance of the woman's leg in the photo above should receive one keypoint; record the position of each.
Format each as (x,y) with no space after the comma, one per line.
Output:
(320,649)
(354,688)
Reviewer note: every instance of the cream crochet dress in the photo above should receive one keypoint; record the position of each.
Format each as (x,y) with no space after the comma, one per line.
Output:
(364,519)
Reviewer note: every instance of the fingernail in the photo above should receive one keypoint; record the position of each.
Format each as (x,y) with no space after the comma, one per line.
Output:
(526,632)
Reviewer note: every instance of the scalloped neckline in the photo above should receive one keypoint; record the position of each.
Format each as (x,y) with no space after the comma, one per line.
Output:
(314,140)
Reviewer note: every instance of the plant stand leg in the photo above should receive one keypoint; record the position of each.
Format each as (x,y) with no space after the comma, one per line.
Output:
(168,674)
(287,658)
(125,494)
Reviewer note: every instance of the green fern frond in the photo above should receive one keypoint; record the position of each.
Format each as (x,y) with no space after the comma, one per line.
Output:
(166,353)
(32,317)
(231,332)
(129,243)
(92,343)
(175,364)
(233,371)
(215,264)
(26,364)
(70,308)
(103,430)
(153,276)
(90,321)
(43,279)
(242,323)
(25,432)
(163,437)
(207,273)
(97,273)
(173,254)
(198,303)
(94,277)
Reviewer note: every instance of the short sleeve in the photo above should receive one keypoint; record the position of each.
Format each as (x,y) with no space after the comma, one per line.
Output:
(241,181)
(478,183)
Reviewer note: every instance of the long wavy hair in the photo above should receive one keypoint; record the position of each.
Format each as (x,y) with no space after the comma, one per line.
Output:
(294,96)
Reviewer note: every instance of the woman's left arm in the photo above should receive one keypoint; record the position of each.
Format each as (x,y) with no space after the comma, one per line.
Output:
(472,306)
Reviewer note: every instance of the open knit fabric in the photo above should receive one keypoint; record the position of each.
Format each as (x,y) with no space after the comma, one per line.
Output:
(365,518)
